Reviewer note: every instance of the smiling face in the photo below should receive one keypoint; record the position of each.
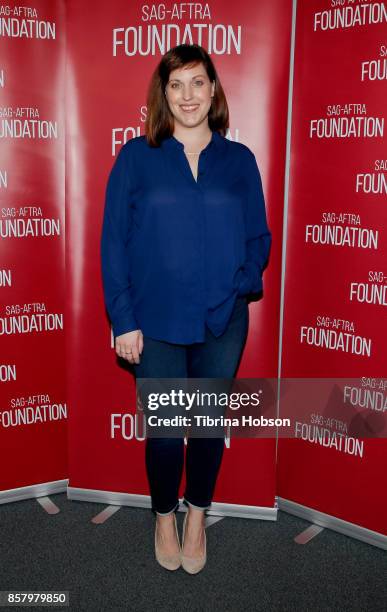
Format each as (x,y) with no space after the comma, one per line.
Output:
(189,92)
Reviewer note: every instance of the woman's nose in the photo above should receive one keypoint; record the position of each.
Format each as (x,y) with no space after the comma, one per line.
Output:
(187,92)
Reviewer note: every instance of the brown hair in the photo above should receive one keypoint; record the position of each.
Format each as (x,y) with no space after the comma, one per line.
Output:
(159,122)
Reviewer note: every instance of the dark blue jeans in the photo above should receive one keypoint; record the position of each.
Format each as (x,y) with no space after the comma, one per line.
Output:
(213,358)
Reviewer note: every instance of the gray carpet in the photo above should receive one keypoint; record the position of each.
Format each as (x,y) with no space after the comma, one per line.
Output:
(252,565)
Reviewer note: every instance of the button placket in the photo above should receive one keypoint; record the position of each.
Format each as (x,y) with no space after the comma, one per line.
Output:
(203,254)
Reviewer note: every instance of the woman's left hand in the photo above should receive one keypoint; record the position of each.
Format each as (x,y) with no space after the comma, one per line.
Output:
(129,346)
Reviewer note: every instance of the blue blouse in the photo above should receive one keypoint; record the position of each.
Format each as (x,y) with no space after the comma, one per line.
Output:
(177,252)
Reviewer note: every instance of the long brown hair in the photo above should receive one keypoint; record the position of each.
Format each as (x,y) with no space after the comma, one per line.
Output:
(159,122)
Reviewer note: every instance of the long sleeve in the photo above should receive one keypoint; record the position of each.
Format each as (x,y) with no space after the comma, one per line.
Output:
(258,236)
(115,260)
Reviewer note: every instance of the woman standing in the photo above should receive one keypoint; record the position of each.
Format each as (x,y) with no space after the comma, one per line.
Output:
(184,241)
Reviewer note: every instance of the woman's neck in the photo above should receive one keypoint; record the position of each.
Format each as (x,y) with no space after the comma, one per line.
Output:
(193,138)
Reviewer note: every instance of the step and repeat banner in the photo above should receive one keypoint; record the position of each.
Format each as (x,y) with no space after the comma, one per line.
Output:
(112,50)
(335,277)
(33,408)
(335,323)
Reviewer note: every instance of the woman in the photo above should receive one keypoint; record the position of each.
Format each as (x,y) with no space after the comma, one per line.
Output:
(184,241)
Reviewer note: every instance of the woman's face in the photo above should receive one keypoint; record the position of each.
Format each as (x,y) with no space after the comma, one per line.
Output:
(188,93)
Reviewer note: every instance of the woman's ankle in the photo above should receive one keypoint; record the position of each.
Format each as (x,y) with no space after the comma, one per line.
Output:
(165,521)
(195,516)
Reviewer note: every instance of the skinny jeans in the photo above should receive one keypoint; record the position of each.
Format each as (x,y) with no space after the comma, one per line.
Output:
(216,357)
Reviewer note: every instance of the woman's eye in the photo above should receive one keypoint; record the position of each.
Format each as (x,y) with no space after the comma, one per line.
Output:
(198,83)
(175,85)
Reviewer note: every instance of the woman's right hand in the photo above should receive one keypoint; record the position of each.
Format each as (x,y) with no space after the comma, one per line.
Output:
(129,346)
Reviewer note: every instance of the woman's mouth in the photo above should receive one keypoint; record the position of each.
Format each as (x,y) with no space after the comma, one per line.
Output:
(189,108)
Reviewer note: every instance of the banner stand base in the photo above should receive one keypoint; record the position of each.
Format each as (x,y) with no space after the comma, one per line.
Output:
(308,534)
(111,498)
(36,490)
(103,516)
(48,505)
(331,522)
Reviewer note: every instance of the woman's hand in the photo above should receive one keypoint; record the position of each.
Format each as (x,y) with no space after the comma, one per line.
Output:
(129,346)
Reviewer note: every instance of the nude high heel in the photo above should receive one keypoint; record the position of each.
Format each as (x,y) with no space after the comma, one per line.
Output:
(170,562)
(193,565)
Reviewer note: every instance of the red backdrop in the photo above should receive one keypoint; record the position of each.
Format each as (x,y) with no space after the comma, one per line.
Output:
(337,195)
(109,67)
(33,409)
(321,291)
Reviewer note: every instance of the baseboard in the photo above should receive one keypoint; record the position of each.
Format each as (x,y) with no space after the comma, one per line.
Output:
(331,522)
(35,490)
